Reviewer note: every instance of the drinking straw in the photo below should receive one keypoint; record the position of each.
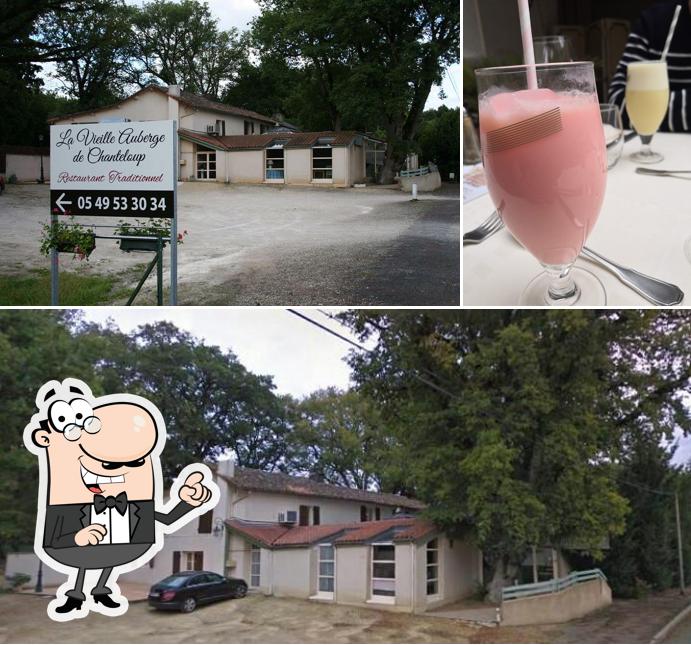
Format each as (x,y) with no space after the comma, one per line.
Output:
(527,37)
(670,35)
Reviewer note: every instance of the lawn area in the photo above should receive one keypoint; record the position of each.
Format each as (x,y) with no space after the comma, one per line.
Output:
(34,289)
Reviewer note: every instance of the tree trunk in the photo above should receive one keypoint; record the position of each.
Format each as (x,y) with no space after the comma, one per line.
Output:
(502,576)
(388,170)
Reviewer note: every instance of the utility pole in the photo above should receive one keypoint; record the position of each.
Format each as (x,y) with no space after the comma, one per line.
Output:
(682,587)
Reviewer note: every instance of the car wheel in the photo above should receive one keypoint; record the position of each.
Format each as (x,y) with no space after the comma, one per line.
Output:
(189,605)
(240,591)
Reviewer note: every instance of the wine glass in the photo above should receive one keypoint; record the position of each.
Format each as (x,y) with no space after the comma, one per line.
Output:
(545,161)
(552,49)
(614,132)
(647,97)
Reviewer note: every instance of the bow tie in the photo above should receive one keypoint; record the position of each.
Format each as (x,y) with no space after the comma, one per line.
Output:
(119,503)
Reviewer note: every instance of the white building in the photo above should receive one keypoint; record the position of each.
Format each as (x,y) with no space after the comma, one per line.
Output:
(223,143)
(293,536)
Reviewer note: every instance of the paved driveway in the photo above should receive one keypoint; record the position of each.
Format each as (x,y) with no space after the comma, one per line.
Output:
(272,245)
(254,619)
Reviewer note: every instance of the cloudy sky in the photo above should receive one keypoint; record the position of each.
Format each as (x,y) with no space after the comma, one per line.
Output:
(300,357)
(238,13)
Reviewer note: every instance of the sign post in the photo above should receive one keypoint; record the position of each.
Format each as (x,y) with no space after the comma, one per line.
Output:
(116,170)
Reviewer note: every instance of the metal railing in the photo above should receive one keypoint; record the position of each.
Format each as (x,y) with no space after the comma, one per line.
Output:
(551,586)
(418,172)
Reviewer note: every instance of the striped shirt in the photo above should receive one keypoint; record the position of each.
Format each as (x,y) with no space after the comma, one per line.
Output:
(646,42)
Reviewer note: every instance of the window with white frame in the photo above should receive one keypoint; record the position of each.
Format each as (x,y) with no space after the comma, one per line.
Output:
(433,567)
(206,164)
(383,570)
(275,162)
(327,570)
(255,566)
(322,161)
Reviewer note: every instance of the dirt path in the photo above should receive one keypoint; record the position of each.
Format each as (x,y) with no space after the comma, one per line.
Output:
(271,245)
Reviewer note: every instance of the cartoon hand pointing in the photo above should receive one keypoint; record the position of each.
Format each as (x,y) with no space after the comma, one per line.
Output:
(193,491)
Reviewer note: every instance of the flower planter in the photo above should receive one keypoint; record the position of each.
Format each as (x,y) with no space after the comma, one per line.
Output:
(68,246)
(133,244)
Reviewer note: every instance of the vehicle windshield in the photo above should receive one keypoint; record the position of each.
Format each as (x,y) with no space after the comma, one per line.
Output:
(174,581)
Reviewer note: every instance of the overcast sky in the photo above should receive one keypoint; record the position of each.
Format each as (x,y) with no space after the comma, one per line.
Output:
(238,13)
(300,357)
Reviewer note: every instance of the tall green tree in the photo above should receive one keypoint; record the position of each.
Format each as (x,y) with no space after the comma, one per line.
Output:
(520,448)
(340,438)
(93,70)
(35,346)
(180,43)
(210,403)
(438,139)
(374,62)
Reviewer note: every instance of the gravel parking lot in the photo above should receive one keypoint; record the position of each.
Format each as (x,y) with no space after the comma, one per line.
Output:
(268,245)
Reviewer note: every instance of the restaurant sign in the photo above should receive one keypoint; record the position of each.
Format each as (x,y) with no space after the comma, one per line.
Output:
(119,169)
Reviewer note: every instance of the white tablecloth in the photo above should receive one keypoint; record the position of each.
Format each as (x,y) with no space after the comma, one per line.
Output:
(643,224)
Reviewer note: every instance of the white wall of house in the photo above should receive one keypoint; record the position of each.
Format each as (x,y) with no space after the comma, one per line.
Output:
(27,167)
(339,160)
(357,164)
(298,165)
(292,572)
(352,574)
(188,170)
(246,166)
(147,106)
(264,507)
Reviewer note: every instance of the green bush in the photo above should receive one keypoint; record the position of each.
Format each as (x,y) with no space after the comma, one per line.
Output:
(18,580)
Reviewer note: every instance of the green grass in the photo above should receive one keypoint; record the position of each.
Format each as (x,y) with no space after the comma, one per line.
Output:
(34,289)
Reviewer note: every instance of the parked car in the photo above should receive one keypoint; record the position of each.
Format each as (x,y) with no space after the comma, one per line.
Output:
(185,590)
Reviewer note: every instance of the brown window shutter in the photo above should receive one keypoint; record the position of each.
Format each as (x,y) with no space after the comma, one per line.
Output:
(205,522)
(304,516)
(316,519)
(176,561)
(199,560)
(363,513)
(377,513)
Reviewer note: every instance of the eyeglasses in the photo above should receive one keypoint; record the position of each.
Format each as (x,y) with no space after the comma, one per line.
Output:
(73,431)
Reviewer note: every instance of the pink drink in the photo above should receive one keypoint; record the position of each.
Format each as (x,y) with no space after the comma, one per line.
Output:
(549,191)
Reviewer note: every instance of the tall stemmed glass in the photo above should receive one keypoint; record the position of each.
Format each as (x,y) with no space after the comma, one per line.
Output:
(647,97)
(545,161)
(552,49)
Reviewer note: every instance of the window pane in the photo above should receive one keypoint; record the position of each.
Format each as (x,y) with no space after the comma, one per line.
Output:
(324,174)
(433,544)
(326,568)
(432,557)
(383,552)
(326,553)
(212,174)
(322,152)
(432,573)
(384,587)
(432,588)
(383,570)
(254,581)
(326,584)
(322,163)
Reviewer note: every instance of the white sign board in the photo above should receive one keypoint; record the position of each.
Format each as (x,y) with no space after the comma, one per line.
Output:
(124,169)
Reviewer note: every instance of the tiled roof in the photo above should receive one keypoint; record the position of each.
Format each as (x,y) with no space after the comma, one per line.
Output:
(203,103)
(251,479)
(187,98)
(270,535)
(255,141)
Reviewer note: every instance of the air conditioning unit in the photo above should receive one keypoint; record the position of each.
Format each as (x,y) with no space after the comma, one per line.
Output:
(289,517)
(211,129)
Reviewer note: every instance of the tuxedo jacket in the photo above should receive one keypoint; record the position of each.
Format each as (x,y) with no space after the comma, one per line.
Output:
(64,520)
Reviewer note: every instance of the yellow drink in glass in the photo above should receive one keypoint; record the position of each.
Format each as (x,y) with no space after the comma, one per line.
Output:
(647,98)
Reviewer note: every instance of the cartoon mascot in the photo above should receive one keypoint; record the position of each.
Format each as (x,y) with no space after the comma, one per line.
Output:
(100,494)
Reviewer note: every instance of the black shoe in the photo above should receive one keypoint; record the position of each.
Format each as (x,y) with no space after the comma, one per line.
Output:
(70,604)
(106,600)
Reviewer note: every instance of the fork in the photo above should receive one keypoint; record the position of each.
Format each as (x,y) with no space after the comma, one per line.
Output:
(488,228)
(656,291)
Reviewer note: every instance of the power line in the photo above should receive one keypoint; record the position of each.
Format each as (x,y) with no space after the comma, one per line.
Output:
(417,377)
